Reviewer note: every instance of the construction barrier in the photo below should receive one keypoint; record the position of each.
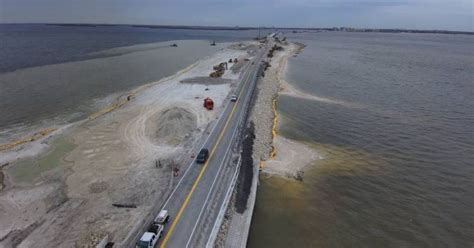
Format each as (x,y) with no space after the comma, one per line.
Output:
(31,138)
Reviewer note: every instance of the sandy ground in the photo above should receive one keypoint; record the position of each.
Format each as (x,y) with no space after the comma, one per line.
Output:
(290,157)
(113,161)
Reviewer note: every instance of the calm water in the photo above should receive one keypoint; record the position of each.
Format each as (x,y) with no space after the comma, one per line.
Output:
(394,124)
(56,73)
(25,46)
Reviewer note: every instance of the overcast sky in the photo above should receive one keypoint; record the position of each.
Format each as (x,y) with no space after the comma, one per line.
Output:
(417,14)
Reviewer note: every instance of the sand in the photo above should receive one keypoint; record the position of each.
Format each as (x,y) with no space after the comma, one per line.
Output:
(113,161)
(291,159)
(276,154)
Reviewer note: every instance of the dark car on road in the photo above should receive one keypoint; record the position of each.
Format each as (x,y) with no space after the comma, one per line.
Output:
(202,156)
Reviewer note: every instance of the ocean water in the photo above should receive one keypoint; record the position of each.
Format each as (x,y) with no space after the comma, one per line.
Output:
(393,119)
(58,74)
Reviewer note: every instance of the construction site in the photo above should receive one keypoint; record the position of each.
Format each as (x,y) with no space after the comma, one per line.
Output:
(100,178)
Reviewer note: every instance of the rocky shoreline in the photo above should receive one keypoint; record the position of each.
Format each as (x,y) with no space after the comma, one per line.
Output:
(264,114)
(235,227)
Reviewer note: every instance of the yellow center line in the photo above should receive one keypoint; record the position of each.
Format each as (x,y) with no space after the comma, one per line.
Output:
(188,197)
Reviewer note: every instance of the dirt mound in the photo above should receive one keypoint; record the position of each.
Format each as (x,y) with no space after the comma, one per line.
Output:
(173,126)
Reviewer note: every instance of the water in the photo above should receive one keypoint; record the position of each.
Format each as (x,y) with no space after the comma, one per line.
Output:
(61,74)
(28,170)
(395,127)
(27,45)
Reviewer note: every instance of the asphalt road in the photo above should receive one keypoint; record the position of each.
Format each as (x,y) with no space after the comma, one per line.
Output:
(199,196)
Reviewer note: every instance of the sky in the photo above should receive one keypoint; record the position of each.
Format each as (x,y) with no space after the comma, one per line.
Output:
(408,14)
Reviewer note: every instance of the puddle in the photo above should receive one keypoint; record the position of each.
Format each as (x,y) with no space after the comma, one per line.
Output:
(28,170)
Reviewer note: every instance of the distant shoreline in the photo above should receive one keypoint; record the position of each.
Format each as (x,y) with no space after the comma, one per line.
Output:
(272,29)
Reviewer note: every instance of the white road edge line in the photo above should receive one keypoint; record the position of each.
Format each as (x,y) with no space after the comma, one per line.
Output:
(212,186)
(220,167)
(192,162)
(190,165)
(224,205)
(215,179)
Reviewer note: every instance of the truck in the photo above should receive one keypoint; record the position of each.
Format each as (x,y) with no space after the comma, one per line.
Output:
(150,237)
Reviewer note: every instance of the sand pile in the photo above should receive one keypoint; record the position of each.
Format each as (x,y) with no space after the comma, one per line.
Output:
(172,126)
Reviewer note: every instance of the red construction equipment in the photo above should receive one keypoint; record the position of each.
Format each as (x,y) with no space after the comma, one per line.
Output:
(208,103)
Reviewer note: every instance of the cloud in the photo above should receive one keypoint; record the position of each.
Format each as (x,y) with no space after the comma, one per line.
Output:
(423,14)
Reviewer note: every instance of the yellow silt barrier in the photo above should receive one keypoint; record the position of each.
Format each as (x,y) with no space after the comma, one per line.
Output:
(95,115)
(111,108)
(274,132)
(31,138)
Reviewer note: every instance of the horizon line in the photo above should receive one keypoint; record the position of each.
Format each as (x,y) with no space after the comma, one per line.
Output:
(236,27)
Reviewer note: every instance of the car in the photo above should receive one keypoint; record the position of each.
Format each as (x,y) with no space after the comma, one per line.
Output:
(162,218)
(233,98)
(202,156)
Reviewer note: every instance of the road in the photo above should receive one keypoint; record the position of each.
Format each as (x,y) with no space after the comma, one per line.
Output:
(199,196)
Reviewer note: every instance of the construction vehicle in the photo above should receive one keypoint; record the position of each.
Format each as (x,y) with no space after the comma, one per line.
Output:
(220,66)
(208,103)
(219,70)
(150,237)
